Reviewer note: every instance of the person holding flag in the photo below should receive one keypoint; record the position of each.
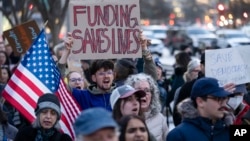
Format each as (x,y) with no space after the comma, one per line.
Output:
(45,126)
(36,75)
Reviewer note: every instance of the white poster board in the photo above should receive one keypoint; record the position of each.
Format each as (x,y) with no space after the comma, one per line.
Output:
(230,65)
(105,29)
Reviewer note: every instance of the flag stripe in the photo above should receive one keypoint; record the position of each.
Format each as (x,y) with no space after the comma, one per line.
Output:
(72,105)
(66,124)
(31,80)
(36,75)
(18,102)
(23,93)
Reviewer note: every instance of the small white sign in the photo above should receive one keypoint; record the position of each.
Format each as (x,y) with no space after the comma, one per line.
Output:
(230,65)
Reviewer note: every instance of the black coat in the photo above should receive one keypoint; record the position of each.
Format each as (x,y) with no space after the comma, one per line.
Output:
(184,93)
(29,134)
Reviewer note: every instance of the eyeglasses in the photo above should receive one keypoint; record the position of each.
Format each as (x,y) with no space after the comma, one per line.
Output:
(76,79)
(220,100)
(146,90)
(105,73)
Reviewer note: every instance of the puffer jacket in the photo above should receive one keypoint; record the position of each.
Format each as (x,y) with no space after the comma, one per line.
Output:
(197,128)
(158,126)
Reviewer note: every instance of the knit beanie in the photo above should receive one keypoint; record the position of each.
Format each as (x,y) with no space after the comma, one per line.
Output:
(50,101)
(192,65)
(126,66)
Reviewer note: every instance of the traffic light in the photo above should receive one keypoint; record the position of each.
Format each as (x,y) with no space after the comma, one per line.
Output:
(221,9)
(171,19)
(245,15)
(30,6)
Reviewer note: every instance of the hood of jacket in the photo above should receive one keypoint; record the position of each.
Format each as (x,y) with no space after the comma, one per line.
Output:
(187,109)
(94,90)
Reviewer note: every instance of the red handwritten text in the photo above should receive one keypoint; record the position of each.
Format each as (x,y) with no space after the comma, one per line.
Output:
(109,27)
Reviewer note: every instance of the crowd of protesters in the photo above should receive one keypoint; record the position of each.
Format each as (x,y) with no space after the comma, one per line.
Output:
(129,99)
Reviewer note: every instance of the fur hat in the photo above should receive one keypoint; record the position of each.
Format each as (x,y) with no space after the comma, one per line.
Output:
(50,101)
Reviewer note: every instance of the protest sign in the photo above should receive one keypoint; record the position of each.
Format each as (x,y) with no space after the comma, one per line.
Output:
(74,65)
(230,65)
(22,36)
(105,29)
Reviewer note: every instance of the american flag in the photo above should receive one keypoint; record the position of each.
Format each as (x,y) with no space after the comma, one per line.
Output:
(37,74)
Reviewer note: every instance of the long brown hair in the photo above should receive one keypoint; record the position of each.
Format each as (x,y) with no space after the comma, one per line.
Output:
(123,123)
(117,115)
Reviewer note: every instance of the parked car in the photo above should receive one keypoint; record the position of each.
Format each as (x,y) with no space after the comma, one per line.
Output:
(232,38)
(246,29)
(196,37)
(201,38)
(159,31)
(156,47)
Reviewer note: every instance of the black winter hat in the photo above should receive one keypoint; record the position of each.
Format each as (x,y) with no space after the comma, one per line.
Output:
(126,64)
(48,100)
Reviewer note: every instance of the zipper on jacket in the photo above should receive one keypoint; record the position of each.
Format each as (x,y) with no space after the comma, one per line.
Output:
(212,133)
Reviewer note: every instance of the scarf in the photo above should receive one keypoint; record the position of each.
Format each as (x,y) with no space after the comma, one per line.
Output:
(44,135)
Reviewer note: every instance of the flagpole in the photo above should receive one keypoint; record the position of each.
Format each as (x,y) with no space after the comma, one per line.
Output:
(45,24)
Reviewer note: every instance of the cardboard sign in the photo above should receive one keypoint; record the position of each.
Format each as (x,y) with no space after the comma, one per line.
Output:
(230,65)
(22,36)
(74,65)
(105,29)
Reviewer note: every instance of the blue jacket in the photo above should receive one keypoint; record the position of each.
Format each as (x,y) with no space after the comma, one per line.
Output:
(196,128)
(91,97)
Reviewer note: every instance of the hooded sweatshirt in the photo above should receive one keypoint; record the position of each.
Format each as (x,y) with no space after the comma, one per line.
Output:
(93,97)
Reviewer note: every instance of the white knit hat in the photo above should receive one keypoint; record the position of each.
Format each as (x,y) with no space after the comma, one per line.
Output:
(192,65)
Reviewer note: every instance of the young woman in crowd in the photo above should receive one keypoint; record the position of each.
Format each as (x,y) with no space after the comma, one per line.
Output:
(5,75)
(76,80)
(125,100)
(133,128)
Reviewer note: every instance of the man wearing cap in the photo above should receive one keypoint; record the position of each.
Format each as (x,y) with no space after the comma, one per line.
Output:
(96,124)
(46,125)
(237,105)
(203,113)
